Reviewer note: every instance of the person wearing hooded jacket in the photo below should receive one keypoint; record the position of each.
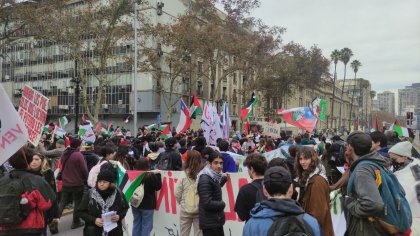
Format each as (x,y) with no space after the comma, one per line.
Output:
(40,196)
(103,198)
(363,200)
(314,194)
(74,175)
(278,188)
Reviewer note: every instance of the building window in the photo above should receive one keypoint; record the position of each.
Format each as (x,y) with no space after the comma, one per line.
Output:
(200,67)
(211,91)
(235,79)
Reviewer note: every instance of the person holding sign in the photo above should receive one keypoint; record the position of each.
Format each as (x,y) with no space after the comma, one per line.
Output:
(102,199)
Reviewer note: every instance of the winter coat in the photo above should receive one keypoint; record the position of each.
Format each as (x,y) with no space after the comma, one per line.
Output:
(75,172)
(40,198)
(91,159)
(229,164)
(211,205)
(93,173)
(89,210)
(53,211)
(364,199)
(263,213)
(152,183)
(316,202)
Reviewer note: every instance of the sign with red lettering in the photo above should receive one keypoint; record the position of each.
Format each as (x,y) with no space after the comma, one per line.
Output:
(167,211)
(33,110)
(13,134)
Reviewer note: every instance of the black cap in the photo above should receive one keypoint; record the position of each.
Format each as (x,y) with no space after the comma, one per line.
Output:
(277,174)
(336,138)
(106,175)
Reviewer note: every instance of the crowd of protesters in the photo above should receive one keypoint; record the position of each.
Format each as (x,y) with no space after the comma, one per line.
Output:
(297,183)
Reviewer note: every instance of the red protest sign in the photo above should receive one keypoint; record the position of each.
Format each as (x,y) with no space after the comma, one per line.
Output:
(33,110)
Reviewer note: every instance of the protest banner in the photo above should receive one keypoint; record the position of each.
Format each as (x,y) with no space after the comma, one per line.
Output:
(271,129)
(13,134)
(33,110)
(166,215)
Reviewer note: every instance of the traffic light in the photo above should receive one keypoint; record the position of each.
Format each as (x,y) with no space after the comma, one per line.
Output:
(409,118)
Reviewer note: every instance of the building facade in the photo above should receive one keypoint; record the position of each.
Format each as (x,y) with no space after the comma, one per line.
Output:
(387,102)
(48,68)
(362,91)
(408,98)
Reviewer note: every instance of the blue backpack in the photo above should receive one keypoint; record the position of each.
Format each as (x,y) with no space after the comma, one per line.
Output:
(396,216)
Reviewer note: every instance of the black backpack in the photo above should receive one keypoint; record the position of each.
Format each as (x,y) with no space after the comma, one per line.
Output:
(259,195)
(292,225)
(164,162)
(11,211)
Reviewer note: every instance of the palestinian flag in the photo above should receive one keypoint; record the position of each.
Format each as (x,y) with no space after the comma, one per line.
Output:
(401,131)
(149,127)
(376,124)
(128,181)
(63,121)
(99,127)
(45,129)
(166,131)
(195,108)
(247,110)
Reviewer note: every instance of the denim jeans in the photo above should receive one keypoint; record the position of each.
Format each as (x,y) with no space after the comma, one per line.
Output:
(142,221)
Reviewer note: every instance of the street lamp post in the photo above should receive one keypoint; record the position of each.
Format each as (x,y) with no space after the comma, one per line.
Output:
(76,80)
(134,87)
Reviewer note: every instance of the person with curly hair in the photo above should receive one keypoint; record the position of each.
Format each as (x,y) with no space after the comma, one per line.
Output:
(312,179)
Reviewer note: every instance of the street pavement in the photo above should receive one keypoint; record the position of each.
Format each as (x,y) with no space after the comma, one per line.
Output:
(64,227)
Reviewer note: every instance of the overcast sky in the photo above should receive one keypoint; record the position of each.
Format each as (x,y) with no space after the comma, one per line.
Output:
(384,35)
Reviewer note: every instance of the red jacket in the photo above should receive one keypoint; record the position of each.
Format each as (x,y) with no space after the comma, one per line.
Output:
(40,197)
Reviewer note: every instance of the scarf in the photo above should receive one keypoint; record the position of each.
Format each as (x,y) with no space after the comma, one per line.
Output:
(105,205)
(319,170)
(210,172)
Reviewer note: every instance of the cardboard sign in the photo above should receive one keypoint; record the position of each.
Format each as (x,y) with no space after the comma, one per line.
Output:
(271,129)
(13,134)
(33,110)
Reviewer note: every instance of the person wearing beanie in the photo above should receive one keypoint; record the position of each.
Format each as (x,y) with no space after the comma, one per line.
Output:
(400,155)
(104,197)
(40,196)
(74,173)
(90,156)
(406,169)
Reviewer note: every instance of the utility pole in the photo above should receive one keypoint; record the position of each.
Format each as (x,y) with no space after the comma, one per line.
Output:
(134,84)
(76,80)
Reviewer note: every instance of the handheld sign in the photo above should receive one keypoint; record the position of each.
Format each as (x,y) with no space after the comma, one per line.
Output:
(13,133)
(33,110)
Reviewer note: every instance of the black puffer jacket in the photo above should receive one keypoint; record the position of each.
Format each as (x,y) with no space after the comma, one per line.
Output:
(211,206)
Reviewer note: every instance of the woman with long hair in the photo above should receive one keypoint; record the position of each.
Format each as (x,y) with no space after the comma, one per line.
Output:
(122,156)
(314,193)
(189,207)
(39,165)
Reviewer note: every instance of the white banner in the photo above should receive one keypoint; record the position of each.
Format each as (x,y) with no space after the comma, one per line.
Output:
(13,133)
(166,216)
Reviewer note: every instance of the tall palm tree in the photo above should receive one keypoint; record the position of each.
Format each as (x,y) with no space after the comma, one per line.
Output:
(355,64)
(345,55)
(335,56)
